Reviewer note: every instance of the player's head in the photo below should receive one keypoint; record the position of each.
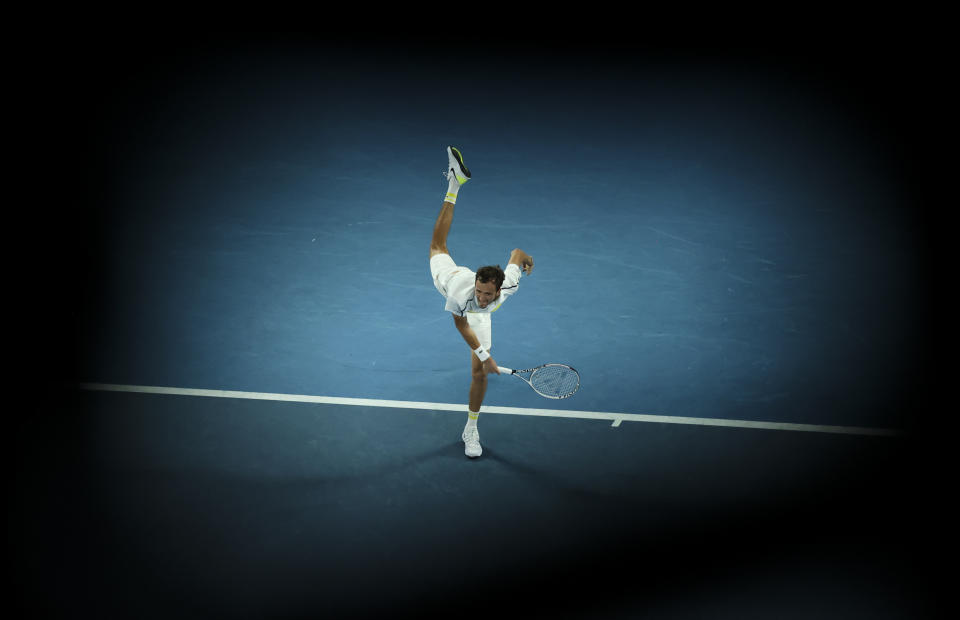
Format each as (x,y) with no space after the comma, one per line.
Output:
(488,283)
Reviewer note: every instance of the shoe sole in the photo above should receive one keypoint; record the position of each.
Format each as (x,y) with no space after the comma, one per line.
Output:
(457,156)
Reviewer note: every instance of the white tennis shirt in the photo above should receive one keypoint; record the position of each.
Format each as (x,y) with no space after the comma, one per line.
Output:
(461,291)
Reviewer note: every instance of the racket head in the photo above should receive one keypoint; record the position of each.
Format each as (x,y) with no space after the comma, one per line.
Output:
(557,381)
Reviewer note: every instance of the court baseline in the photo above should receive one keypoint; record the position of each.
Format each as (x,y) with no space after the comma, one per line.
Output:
(615,417)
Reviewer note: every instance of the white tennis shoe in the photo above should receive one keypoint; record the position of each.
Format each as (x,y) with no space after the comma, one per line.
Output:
(471,442)
(456,167)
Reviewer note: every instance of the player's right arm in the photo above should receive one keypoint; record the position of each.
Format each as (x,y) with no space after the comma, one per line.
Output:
(470,337)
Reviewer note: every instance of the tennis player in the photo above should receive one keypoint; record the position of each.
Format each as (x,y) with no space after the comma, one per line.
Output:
(471,297)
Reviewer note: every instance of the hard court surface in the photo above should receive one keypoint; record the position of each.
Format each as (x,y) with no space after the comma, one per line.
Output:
(714,240)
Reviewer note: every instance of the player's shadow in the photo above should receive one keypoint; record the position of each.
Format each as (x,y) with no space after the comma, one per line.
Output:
(558,483)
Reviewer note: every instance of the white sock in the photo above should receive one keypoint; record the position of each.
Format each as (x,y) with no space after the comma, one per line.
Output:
(452,189)
(472,417)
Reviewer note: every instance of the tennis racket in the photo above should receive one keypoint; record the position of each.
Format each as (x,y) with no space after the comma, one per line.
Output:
(550,380)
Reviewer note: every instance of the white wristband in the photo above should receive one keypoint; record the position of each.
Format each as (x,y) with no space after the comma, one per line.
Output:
(482,355)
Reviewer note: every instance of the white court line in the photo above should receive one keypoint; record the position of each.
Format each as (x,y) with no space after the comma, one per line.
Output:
(616,418)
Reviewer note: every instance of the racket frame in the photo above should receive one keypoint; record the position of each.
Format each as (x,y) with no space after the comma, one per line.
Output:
(508,371)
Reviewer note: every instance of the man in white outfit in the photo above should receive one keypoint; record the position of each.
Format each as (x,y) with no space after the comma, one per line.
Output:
(471,297)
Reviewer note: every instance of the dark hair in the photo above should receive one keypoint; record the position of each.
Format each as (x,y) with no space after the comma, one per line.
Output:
(491,273)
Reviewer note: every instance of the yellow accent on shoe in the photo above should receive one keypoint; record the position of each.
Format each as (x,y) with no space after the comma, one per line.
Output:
(457,158)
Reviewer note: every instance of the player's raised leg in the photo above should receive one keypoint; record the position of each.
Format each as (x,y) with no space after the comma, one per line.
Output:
(438,244)
(457,174)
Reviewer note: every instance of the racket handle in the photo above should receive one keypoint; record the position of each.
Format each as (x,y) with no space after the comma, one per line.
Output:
(505,371)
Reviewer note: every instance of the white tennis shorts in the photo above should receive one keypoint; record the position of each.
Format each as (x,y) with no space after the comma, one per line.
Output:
(442,268)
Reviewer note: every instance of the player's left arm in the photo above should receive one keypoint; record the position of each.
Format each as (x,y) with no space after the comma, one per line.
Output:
(521,259)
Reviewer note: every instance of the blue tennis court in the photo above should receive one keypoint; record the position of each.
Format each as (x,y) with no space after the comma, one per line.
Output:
(715,240)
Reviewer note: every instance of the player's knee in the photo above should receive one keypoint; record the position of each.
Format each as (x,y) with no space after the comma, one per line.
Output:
(479,376)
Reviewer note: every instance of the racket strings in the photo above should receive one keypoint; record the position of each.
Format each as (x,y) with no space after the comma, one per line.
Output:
(556,381)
